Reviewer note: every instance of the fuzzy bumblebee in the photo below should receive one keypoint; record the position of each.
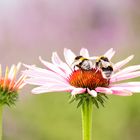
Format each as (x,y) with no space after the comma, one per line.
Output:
(82,63)
(102,63)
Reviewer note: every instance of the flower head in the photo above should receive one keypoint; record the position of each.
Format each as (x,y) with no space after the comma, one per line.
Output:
(9,86)
(60,76)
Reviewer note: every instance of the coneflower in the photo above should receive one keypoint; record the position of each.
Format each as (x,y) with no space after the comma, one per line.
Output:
(9,88)
(88,86)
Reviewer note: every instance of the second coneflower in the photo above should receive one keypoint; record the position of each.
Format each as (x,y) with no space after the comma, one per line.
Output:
(9,88)
(90,86)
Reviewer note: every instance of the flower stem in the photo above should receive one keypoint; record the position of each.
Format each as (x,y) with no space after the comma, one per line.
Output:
(1,109)
(87,107)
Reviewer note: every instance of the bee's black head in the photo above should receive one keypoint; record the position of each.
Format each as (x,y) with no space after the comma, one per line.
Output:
(104,58)
(78,57)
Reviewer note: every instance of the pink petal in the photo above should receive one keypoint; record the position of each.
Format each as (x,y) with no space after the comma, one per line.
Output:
(133,89)
(110,53)
(44,81)
(53,67)
(84,53)
(120,91)
(118,65)
(55,59)
(38,70)
(104,90)
(127,84)
(92,92)
(78,91)
(69,56)
(54,88)
(131,86)
(127,70)
(58,62)
(34,72)
(125,76)
(114,90)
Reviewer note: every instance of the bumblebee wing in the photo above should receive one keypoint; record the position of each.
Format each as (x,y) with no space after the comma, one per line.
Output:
(93,58)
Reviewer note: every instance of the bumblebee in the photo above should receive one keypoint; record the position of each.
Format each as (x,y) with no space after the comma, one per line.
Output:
(82,63)
(105,66)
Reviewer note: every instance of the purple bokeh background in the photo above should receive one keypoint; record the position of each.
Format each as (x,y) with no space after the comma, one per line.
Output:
(32,28)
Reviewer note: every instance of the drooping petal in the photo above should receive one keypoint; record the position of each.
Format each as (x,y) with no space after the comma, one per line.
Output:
(128,84)
(126,70)
(69,56)
(39,72)
(118,65)
(133,89)
(131,86)
(92,92)
(125,76)
(53,88)
(78,91)
(103,90)
(84,53)
(44,81)
(121,91)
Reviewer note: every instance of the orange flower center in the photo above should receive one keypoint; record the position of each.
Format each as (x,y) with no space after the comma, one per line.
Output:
(6,83)
(88,79)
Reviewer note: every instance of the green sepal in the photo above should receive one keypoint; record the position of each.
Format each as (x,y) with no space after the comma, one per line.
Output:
(81,98)
(8,97)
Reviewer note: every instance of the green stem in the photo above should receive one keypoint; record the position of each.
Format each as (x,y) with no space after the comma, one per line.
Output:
(1,109)
(87,107)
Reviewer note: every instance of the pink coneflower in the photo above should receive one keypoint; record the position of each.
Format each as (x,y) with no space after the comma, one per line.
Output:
(60,76)
(88,82)
(9,86)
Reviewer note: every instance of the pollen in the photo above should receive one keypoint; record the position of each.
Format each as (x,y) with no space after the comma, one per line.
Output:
(88,79)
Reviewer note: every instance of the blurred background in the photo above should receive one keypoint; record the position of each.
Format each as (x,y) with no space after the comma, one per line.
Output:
(32,28)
